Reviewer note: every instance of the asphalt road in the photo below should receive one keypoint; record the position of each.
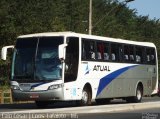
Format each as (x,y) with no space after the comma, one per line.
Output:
(153,113)
(29,106)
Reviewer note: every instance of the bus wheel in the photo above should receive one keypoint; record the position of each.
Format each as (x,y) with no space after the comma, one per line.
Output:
(41,104)
(139,93)
(86,97)
(138,97)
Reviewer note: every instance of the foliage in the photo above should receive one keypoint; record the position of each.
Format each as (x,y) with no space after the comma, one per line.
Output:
(110,18)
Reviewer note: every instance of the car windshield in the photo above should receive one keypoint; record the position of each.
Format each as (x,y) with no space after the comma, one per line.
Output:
(37,59)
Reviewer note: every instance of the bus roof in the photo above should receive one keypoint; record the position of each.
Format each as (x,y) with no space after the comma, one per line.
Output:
(88,37)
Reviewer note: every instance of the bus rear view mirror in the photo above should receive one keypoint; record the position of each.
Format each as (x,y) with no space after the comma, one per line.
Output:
(61,51)
(4,51)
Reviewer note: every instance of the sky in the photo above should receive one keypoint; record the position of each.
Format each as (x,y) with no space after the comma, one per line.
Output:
(149,8)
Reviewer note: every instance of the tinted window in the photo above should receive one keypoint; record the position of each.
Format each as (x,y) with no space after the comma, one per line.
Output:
(88,50)
(37,58)
(72,58)
(128,53)
(150,56)
(116,52)
(140,54)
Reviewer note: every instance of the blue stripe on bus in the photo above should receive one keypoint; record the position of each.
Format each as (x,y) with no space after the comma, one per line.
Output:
(107,79)
(35,85)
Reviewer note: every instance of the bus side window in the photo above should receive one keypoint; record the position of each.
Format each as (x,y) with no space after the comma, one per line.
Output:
(131,53)
(140,54)
(92,55)
(132,57)
(113,57)
(128,53)
(100,50)
(92,50)
(88,50)
(126,57)
(116,52)
(150,55)
(138,58)
(113,51)
(106,51)
(98,45)
(148,58)
(153,59)
(106,56)
(99,55)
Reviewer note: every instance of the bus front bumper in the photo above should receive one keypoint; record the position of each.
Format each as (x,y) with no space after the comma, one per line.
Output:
(56,94)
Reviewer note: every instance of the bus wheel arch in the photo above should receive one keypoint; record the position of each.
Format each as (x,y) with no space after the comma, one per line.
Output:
(86,95)
(138,94)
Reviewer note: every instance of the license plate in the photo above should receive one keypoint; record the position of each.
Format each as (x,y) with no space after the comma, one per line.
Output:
(34,96)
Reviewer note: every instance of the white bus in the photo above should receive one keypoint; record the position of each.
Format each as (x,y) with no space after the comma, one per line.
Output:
(67,66)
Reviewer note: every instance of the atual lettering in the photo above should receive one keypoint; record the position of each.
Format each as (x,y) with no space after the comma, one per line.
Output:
(101,68)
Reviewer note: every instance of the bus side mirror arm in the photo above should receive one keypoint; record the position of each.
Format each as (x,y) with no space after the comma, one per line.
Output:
(4,51)
(61,51)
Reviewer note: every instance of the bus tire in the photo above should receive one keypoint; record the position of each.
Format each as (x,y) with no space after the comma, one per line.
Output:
(41,104)
(86,97)
(139,94)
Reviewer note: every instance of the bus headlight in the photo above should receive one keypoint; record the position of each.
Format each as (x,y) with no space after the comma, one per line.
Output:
(56,86)
(14,87)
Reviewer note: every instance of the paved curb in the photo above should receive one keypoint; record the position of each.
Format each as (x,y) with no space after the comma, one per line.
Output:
(96,109)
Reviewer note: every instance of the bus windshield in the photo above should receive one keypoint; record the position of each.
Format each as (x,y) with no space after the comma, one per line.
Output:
(37,59)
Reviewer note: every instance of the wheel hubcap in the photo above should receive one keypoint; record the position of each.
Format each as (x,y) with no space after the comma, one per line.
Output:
(139,95)
(84,97)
